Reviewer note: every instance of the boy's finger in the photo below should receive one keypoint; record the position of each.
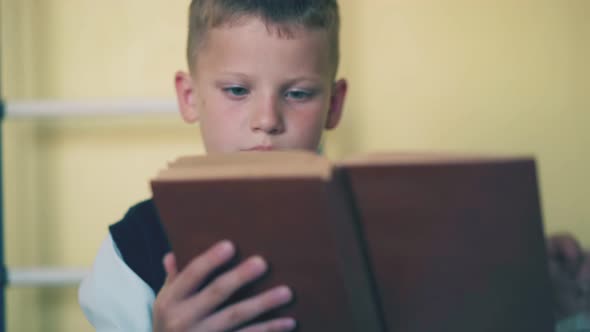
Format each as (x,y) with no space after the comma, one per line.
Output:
(564,244)
(277,325)
(170,267)
(244,311)
(584,281)
(187,281)
(203,303)
(566,251)
(584,272)
(224,286)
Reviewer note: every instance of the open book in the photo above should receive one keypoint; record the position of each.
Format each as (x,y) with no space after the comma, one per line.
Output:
(383,242)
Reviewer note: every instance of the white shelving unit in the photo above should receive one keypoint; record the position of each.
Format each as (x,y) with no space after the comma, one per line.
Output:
(38,109)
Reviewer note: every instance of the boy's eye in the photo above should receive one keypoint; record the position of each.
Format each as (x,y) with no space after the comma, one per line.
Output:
(236,91)
(298,94)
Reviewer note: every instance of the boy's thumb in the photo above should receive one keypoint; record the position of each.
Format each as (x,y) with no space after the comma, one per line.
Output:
(170,267)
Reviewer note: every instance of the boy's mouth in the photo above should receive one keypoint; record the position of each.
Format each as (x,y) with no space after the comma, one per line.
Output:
(260,148)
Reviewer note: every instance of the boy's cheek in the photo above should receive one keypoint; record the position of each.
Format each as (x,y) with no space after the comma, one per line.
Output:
(309,140)
(306,124)
(218,138)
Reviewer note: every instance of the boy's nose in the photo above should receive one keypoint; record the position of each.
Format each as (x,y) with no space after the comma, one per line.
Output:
(267,118)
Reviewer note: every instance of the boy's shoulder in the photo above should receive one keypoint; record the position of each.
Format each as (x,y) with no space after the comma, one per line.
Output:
(142,243)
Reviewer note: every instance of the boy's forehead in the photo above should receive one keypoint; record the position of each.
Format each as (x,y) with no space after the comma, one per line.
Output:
(252,44)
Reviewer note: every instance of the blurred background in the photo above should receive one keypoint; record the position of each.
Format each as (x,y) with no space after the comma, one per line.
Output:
(501,76)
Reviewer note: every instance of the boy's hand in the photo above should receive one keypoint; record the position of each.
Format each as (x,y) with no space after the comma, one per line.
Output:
(179,308)
(569,268)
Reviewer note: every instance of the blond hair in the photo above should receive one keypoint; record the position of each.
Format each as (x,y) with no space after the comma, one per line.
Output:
(282,15)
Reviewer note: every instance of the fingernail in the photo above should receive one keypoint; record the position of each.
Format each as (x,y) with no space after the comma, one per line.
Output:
(166,258)
(283,294)
(287,323)
(257,264)
(225,249)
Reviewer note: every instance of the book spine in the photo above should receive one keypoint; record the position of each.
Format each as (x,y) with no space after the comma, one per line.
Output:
(355,259)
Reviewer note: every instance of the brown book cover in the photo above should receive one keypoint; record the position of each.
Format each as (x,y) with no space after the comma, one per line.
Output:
(456,243)
(391,242)
(289,211)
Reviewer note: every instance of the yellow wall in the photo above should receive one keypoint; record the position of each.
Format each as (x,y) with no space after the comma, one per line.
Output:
(499,76)
(507,76)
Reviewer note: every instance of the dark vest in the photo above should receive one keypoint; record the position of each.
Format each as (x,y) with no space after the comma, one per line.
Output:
(140,238)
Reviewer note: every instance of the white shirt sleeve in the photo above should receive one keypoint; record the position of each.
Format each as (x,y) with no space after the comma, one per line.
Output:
(576,323)
(113,297)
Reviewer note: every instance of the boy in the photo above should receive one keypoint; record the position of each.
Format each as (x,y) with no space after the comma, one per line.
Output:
(261,77)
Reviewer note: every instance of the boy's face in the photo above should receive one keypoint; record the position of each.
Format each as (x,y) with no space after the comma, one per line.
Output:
(255,90)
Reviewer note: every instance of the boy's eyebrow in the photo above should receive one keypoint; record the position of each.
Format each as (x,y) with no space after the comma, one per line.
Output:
(240,75)
(313,78)
(288,81)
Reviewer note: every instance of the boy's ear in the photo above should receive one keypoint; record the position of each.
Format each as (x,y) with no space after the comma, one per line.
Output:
(336,104)
(185,95)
